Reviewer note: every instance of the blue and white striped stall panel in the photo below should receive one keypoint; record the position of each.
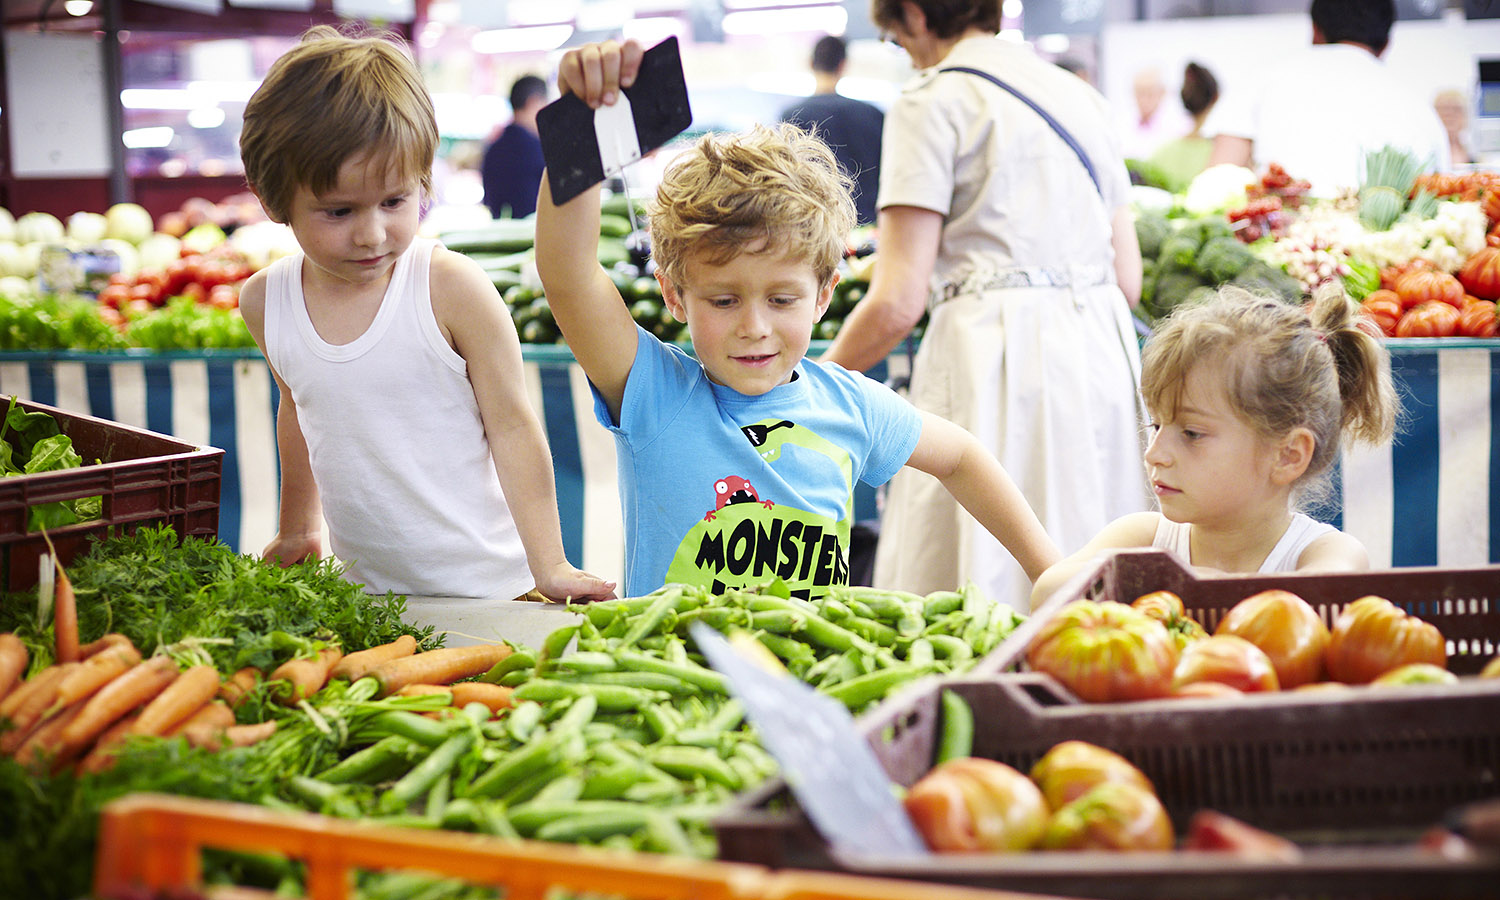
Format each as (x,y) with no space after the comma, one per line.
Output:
(1432,497)
(222,400)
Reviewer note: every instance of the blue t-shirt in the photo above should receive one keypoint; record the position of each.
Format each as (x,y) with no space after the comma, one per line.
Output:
(723,490)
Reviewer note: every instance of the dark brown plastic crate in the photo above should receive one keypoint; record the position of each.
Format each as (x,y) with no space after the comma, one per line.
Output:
(1354,775)
(144,478)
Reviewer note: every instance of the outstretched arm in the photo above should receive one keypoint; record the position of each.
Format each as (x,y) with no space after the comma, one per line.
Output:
(1134,530)
(981,485)
(585,302)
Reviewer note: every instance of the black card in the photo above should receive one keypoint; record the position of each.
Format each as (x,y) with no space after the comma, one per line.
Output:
(658,105)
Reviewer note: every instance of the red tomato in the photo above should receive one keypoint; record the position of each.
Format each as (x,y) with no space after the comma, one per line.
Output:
(1426,285)
(1416,673)
(1480,274)
(114,296)
(970,804)
(1111,816)
(1385,308)
(1477,319)
(1431,319)
(1286,628)
(1372,636)
(1228,659)
(1214,831)
(223,296)
(1072,768)
(1105,651)
(1391,274)
(180,273)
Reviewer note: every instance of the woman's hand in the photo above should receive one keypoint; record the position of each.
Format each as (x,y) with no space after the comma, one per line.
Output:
(290,549)
(595,73)
(564,583)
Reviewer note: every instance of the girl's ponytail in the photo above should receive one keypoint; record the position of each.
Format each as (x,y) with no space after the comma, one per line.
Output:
(1362,362)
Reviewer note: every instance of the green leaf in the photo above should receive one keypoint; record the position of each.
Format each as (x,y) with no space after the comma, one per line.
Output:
(50,516)
(53,454)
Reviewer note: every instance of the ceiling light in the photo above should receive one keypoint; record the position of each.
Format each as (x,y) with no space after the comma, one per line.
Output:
(521,40)
(142,138)
(767,4)
(205,117)
(78,7)
(1053,43)
(827,19)
(1011,9)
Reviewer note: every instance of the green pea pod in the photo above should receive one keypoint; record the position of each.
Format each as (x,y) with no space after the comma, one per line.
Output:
(652,617)
(694,762)
(519,660)
(421,778)
(953,649)
(527,818)
(555,645)
(594,826)
(521,720)
(533,784)
(956,739)
(374,763)
(586,661)
(609,697)
(561,790)
(691,673)
(514,767)
(858,692)
(412,726)
(921,652)
(651,681)
(940,603)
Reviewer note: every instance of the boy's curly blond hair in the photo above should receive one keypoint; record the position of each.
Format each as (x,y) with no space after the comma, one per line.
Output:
(330,98)
(767,190)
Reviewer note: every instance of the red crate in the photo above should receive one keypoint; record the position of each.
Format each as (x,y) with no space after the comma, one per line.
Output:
(1355,776)
(144,478)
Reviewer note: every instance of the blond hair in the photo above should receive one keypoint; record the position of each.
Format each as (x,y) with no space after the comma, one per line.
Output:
(768,190)
(1324,367)
(330,98)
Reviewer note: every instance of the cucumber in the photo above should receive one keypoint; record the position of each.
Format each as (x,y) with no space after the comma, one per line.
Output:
(612,252)
(618,205)
(500,236)
(614,226)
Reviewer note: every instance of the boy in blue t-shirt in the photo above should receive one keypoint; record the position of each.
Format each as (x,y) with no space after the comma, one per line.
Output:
(740,465)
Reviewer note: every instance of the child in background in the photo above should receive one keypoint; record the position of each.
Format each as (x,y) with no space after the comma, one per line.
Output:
(1251,398)
(739,465)
(403,419)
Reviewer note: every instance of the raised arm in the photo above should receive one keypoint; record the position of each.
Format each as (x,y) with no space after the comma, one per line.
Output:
(585,302)
(981,485)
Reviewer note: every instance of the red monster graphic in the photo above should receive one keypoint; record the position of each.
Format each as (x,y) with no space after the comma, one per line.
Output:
(734,489)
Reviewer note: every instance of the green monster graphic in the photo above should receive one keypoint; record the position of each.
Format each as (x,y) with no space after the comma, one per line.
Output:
(746,539)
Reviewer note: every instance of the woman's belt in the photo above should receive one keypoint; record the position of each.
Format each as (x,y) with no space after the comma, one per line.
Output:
(1079,276)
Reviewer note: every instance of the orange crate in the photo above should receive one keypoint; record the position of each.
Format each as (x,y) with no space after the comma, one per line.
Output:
(155,842)
(1356,776)
(144,478)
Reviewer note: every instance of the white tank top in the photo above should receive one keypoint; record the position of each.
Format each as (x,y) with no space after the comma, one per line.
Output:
(1283,557)
(398,450)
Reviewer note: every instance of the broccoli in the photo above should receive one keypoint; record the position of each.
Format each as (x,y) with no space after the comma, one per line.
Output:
(1222,258)
(1150,231)
(1208,228)
(1172,288)
(1179,250)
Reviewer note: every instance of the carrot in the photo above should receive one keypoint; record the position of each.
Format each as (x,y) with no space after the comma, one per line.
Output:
(95,672)
(214,713)
(64,616)
(233,736)
(34,698)
(13,660)
(41,751)
(119,697)
(418,690)
(194,687)
(357,665)
(238,686)
(495,696)
(109,640)
(304,677)
(443,666)
(102,756)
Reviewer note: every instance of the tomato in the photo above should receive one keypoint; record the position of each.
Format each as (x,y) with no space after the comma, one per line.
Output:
(1322,686)
(114,296)
(1477,319)
(223,296)
(1384,307)
(1229,659)
(1105,651)
(1430,319)
(970,804)
(1286,628)
(1166,608)
(1111,816)
(1391,274)
(1213,831)
(1206,690)
(1072,768)
(1372,636)
(1416,673)
(1480,274)
(1491,669)
(1426,285)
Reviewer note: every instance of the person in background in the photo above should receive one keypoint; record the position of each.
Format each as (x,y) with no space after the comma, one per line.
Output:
(403,417)
(1251,399)
(1453,111)
(739,463)
(1151,123)
(1177,161)
(512,165)
(1319,113)
(851,128)
(1028,266)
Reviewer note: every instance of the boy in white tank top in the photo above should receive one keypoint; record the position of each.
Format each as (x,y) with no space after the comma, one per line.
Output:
(403,417)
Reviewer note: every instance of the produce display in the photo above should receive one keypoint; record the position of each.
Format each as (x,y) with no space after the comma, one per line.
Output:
(289,688)
(1108,651)
(1263,233)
